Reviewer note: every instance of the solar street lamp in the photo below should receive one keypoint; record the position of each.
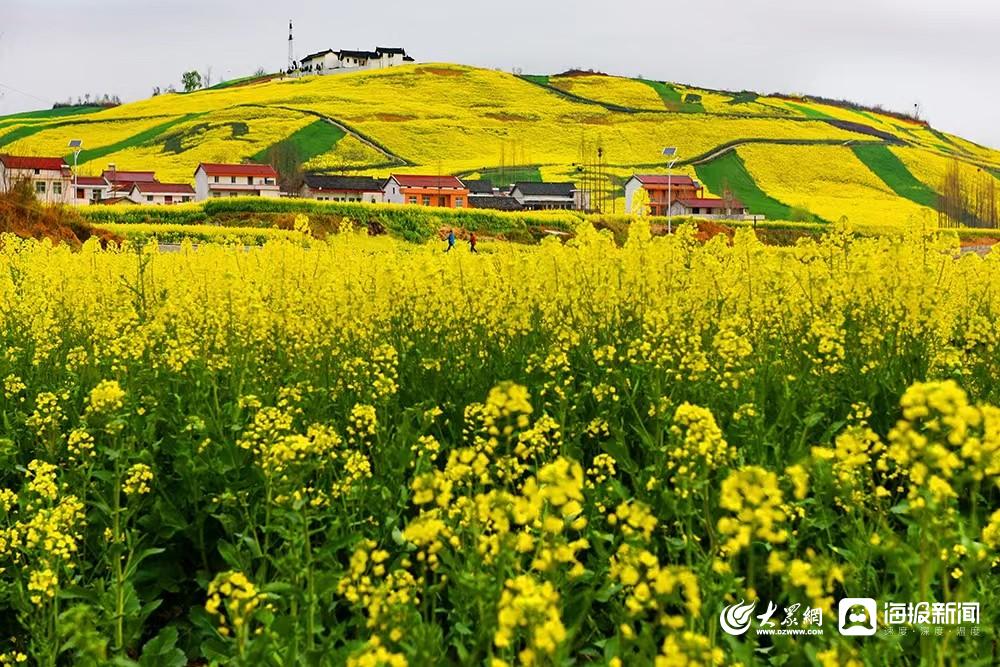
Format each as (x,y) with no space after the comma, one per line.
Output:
(670,152)
(77,146)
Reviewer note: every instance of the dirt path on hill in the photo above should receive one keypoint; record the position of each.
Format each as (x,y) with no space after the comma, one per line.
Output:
(391,158)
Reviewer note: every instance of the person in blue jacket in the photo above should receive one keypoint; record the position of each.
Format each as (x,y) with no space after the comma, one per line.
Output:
(451,240)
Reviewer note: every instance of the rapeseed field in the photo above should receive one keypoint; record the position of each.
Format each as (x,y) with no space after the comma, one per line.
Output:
(366,452)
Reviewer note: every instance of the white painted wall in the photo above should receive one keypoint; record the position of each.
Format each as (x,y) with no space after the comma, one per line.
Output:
(631,187)
(57,186)
(392,193)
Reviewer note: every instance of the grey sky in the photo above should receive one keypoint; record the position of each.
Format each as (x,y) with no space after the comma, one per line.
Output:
(890,52)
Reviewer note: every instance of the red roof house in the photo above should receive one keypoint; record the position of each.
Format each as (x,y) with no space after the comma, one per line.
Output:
(444,191)
(662,189)
(50,177)
(161,193)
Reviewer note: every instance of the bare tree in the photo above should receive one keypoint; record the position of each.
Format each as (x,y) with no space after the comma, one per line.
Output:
(206,77)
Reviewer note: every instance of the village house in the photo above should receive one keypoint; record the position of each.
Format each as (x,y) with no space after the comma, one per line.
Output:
(497,202)
(342,188)
(660,187)
(708,207)
(89,189)
(483,195)
(479,188)
(161,193)
(212,180)
(444,191)
(548,196)
(50,177)
(120,182)
(334,62)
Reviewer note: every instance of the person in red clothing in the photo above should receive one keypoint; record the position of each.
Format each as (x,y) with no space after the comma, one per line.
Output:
(472,242)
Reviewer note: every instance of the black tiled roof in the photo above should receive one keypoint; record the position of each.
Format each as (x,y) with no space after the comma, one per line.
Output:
(390,50)
(361,183)
(546,189)
(480,187)
(497,202)
(369,55)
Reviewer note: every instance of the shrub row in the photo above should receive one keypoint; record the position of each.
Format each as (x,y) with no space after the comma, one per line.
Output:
(413,223)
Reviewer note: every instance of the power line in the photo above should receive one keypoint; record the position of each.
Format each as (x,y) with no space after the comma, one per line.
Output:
(17,90)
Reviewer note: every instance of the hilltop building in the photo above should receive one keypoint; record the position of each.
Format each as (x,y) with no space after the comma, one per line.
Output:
(444,191)
(342,188)
(50,177)
(660,187)
(212,180)
(336,62)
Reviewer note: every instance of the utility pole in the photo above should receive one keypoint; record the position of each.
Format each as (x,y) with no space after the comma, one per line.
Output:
(291,56)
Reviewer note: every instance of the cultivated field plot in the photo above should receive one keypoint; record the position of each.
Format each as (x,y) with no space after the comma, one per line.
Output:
(366,452)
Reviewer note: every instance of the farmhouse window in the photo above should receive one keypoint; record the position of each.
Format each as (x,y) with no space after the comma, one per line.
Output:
(412,199)
(249,180)
(40,187)
(232,179)
(216,178)
(57,188)
(427,200)
(80,194)
(167,199)
(149,197)
(459,202)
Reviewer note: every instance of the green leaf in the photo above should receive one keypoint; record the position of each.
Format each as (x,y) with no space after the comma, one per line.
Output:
(161,650)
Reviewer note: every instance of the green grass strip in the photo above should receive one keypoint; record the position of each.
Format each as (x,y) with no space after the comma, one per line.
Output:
(809,112)
(314,139)
(672,99)
(729,170)
(890,169)
(23,132)
(52,113)
(540,79)
(508,175)
(130,142)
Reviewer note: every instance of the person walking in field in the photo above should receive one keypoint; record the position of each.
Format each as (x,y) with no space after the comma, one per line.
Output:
(451,240)
(472,242)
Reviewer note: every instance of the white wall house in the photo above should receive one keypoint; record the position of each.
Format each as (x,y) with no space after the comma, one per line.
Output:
(337,62)
(50,177)
(549,196)
(159,194)
(342,188)
(88,190)
(212,180)
(710,208)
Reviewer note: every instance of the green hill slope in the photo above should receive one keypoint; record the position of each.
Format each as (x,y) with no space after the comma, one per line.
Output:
(443,118)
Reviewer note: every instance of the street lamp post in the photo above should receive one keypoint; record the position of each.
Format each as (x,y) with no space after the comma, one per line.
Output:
(77,146)
(670,152)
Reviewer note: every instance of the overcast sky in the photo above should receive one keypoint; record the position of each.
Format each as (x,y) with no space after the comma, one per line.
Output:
(942,55)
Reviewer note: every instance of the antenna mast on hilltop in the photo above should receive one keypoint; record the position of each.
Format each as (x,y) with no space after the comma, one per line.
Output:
(291,57)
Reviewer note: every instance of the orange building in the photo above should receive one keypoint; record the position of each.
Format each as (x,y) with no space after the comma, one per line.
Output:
(444,191)
(660,187)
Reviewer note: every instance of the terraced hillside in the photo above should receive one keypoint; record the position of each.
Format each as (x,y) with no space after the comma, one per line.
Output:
(785,157)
